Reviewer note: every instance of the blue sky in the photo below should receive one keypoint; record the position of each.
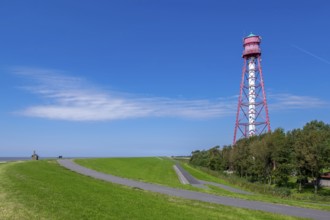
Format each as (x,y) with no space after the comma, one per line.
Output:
(144,78)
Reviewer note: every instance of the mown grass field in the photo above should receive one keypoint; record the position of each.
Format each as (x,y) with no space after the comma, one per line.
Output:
(147,169)
(160,171)
(45,190)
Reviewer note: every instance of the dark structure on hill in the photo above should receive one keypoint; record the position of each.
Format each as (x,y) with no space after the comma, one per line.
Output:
(35,156)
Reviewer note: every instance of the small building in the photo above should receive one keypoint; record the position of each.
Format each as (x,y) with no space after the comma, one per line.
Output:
(35,156)
(325,179)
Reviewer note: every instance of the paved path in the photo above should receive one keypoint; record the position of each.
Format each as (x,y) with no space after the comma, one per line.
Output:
(186,178)
(187,175)
(201,183)
(263,206)
(181,177)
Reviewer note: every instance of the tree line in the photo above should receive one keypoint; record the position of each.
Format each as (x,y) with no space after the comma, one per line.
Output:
(274,157)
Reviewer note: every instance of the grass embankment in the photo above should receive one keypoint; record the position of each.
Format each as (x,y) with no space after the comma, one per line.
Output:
(44,190)
(307,202)
(147,169)
(160,171)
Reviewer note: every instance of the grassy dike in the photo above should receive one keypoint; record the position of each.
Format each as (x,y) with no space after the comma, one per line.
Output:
(147,169)
(306,203)
(160,170)
(44,190)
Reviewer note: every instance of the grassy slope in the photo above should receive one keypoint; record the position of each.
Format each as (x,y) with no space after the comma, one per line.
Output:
(215,176)
(148,169)
(259,197)
(44,190)
(159,170)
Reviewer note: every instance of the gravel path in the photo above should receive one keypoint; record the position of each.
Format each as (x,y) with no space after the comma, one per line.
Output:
(263,206)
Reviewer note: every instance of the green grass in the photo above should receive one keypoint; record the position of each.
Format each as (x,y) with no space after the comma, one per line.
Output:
(45,190)
(308,193)
(199,174)
(160,171)
(306,202)
(147,169)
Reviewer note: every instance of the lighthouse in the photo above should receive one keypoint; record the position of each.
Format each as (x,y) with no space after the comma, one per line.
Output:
(252,111)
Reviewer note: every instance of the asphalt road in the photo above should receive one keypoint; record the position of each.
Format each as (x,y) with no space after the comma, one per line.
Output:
(255,205)
(202,184)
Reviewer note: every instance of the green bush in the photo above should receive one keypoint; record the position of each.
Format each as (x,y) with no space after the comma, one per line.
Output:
(282,191)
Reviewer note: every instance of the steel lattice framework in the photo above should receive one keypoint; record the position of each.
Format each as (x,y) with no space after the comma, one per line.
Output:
(252,111)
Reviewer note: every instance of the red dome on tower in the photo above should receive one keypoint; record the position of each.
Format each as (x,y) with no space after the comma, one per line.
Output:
(251,45)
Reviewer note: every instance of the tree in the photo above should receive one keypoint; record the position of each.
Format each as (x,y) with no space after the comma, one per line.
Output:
(316,137)
(226,162)
(214,162)
(199,158)
(262,162)
(281,156)
(298,160)
(273,157)
(242,157)
(311,151)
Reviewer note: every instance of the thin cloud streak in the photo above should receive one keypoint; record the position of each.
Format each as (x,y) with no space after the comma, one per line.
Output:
(311,54)
(73,99)
(279,102)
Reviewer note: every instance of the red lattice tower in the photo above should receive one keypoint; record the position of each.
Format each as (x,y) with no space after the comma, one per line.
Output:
(252,111)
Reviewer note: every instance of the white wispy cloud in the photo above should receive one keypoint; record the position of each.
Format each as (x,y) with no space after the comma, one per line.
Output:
(74,99)
(287,101)
(70,98)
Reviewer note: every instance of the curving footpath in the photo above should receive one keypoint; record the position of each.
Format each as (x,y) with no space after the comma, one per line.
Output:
(255,205)
(202,183)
